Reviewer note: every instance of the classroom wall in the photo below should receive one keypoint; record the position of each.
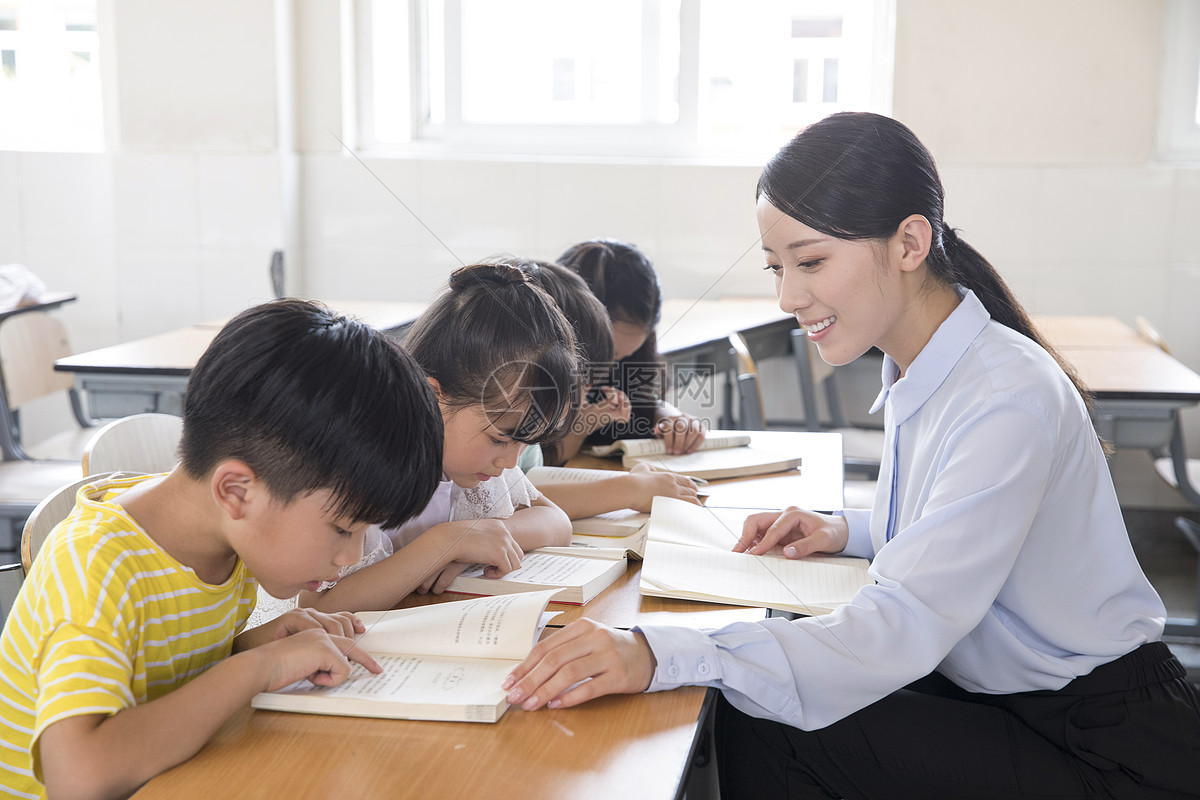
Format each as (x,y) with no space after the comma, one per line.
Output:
(1042,117)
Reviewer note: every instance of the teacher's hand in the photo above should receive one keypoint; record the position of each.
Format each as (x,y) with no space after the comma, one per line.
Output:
(606,660)
(800,533)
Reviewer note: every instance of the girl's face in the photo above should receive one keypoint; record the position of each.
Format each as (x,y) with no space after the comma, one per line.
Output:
(845,294)
(627,338)
(478,447)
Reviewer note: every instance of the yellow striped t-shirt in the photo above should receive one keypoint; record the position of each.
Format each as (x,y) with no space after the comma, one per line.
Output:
(106,619)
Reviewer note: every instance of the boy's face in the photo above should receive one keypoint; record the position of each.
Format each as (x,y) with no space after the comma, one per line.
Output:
(294,547)
(477,448)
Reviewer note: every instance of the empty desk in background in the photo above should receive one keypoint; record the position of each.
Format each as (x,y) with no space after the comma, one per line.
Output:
(150,374)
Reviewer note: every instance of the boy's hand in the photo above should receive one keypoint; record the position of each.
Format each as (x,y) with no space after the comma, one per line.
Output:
(801,533)
(615,661)
(681,434)
(615,407)
(315,655)
(649,482)
(342,623)
(481,541)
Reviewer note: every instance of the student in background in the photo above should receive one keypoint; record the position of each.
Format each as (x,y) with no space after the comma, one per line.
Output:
(501,359)
(624,280)
(636,488)
(1011,645)
(115,662)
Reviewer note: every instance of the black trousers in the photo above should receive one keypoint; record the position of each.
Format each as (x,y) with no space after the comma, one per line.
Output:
(1130,729)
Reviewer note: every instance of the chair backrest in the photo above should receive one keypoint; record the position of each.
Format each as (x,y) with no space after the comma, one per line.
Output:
(751,416)
(816,375)
(52,510)
(139,443)
(1148,332)
(30,343)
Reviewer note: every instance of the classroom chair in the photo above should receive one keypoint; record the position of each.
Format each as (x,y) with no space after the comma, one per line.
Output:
(862,448)
(30,343)
(140,443)
(1180,472)
(46,513)
(750,415)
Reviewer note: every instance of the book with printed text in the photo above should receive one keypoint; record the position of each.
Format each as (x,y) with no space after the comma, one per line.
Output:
(724,454)
(579,574)
(689,555)
(440,662)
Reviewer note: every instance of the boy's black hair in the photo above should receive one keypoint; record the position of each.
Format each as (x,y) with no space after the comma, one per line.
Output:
(312,400)
(495,339)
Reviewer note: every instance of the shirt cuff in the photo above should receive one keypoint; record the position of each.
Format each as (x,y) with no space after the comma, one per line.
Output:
(858,544)
(685,657)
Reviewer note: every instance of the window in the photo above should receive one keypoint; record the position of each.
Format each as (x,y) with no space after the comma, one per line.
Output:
(617,77)
(1179,109)
(49,76)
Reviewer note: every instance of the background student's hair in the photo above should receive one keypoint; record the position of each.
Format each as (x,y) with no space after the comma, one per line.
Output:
(295,391)
(857,175)
(492,338)
(581,307)
(624,280)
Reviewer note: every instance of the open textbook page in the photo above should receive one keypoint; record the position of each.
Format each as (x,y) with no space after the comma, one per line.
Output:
(688,555)
(579,574)
(440,662)
(713,440)
(724,454)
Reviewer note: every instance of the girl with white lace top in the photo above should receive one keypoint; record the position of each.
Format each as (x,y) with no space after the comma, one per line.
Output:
(501,359)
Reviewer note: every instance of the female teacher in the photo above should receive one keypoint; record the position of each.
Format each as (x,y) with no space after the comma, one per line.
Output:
(1010,645)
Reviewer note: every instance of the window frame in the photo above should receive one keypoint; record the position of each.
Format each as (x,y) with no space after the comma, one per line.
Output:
(1178,129)
(681,139)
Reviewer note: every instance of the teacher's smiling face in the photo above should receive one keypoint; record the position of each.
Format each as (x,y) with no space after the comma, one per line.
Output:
(842,292)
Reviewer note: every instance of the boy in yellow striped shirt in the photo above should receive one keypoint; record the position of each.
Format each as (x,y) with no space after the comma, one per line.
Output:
(126,647)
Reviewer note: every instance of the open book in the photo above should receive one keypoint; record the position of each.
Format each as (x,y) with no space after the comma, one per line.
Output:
(688,555)
(619,522)
(724,454)
(579,574)
(440,662)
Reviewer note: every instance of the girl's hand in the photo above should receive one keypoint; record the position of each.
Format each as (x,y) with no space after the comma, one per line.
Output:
(480,541)
(649,482)
(615,407)
(438,581)
(681,434)
(801,533)
(343,623)
(607,660)
(312,654)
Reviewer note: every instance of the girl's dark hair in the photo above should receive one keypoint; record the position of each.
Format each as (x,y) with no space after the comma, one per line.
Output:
(311,400)
(495,339)
(624,280)
(857,175)
(583,310)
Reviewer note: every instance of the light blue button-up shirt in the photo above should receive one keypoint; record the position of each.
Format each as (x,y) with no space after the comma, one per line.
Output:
(999,553)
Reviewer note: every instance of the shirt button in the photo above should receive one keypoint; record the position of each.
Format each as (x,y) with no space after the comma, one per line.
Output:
(703,668)
(673,671)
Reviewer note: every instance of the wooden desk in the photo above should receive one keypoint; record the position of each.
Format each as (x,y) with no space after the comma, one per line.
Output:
(150,374)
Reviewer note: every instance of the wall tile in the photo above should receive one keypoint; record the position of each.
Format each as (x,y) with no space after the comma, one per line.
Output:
(66,195)
(158,289)
(362,272)
(995,209)
(708,208)
(577,202)
(240,200)
(1185,216)
(85,268)
(1120,213)
(478,208)
(347,202)
(10,197)
(156,200)
(232,279)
